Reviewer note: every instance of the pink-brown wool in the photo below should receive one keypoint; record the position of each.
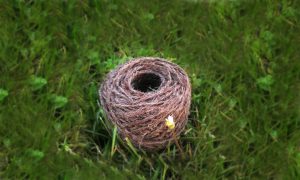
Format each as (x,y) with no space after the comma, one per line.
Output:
(139,95)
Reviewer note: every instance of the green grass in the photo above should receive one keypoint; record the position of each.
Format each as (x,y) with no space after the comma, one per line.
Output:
(242,57)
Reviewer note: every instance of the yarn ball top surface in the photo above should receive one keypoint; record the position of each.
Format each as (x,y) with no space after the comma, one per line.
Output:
(148,99)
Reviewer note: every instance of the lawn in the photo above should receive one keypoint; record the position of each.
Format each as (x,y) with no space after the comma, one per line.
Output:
(242,58)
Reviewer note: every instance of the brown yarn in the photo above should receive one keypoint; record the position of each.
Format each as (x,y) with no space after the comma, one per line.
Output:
(139,95)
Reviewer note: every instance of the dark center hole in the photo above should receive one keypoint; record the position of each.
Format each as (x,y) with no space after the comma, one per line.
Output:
(146,82)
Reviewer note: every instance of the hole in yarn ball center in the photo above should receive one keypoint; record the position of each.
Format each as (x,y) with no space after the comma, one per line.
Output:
(146,82)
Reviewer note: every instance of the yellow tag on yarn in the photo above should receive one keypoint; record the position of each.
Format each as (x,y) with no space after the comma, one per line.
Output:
(170,122)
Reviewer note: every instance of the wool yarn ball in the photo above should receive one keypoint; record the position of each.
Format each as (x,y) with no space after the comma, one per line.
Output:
(148,100)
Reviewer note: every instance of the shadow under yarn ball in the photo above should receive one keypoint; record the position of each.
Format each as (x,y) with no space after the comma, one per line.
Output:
(148,99)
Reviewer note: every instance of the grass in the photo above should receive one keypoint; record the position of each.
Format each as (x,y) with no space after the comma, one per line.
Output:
(242,58)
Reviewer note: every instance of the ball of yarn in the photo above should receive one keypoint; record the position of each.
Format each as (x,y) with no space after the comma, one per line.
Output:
(142,97)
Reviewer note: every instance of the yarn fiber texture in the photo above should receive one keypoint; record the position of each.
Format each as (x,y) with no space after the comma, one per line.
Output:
(139,95)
